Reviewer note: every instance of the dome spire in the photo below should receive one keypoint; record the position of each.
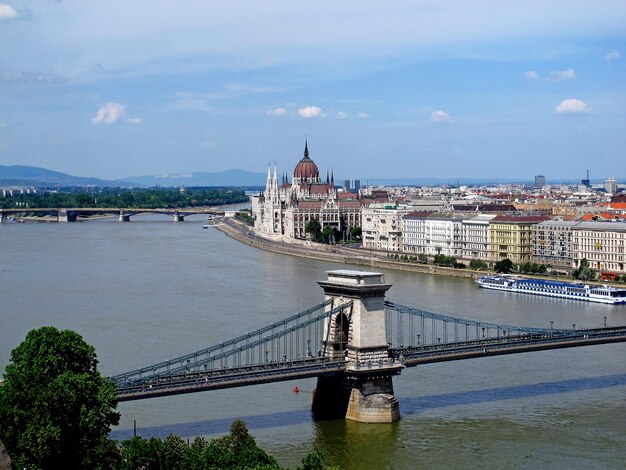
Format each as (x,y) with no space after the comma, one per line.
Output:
(306,147)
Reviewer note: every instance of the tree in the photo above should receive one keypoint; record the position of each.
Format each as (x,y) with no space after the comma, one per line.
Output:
(584,271)
(443,260)
(237,450)
(326,233)
(356,232)
(477,264)
(56,409)
(313,461)
(422,258)
(314,228)
(504,266)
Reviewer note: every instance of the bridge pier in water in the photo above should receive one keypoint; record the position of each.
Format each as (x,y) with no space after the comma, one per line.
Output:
(67,216)
(124,216)
(178,217)
(364,392)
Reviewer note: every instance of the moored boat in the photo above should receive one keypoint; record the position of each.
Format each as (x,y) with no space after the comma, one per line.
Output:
(564,290)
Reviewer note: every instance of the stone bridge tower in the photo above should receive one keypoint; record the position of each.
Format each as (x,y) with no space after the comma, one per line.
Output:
(365,391)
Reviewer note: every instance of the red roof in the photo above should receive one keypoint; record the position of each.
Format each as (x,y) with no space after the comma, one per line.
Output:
(318,188)
(349,204)
(310,204)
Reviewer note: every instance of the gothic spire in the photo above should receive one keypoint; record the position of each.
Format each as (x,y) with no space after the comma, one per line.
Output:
(306,147)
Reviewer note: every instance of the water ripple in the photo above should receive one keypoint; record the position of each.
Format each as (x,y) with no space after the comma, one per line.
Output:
(408,405)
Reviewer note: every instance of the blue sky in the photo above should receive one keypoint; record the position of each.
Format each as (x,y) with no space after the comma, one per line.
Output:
(459,89)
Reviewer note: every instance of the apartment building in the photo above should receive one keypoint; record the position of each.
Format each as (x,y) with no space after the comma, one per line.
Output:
(475,237)
(432,234)
(552,243)
(511,237)
(382,227)
(601,243)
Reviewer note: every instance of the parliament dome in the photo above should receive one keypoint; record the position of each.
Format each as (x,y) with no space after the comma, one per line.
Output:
(306,169)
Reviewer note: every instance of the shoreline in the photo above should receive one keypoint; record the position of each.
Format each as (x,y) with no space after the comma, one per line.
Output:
(336,254)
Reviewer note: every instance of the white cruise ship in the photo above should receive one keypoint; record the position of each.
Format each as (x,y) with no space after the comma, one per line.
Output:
(564,290)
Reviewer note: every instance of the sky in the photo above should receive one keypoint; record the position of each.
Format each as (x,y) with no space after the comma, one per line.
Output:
(412,89)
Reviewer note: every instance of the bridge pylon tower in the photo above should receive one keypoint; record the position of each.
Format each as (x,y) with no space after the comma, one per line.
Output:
(364,392)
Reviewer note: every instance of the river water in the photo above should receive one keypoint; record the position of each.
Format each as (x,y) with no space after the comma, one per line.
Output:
(153,289)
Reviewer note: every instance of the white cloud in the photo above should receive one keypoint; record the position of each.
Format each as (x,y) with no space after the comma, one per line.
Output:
(614,54)
(363,115)
(209,144)
(342,115)
(310,112)
(554,76)
(440,116)
(111,113)
(531,75)
(568,74)
(572,106)
(277,112)
(7,12)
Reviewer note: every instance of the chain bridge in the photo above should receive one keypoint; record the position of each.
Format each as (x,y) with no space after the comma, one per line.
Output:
(354,342)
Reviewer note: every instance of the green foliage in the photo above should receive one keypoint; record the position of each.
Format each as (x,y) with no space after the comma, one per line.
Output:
(504,266)
(237,450)
(326,233)
(443,260)
(532,268)
(356,232)
(56,409)
(313,461)
(314,228)
(159,198)
(141,453)
(422,258)
(584,271)
(245,217)
(477,264)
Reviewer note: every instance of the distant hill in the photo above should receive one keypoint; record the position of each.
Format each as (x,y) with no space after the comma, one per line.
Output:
(36,176)
(221,178)
(22,175)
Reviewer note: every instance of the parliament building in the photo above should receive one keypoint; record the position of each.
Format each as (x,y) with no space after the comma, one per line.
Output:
(284,209)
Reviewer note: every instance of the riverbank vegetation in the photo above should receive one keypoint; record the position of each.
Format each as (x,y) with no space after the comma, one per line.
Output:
(245,216)
(56,411)
(136,198)
(506,266)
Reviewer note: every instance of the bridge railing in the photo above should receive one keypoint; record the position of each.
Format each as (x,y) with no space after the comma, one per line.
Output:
(295,339)
(409,327)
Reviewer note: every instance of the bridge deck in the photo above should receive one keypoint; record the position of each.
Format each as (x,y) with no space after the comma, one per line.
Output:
(315,367)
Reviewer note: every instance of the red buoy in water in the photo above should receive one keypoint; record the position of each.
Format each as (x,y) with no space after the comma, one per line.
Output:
(296,389)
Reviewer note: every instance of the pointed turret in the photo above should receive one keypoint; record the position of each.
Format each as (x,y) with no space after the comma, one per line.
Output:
(306,148)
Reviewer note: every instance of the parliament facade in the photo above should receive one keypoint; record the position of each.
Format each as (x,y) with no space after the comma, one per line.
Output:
(285,208)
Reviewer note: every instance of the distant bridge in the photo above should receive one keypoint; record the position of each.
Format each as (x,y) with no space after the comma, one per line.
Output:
(354,342)
(123,214)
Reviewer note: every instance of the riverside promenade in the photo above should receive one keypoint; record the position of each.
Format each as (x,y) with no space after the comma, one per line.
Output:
(334,253)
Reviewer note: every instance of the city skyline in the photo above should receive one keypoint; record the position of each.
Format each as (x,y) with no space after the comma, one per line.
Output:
(432,89)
